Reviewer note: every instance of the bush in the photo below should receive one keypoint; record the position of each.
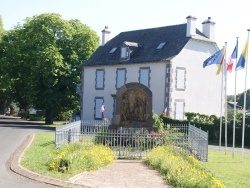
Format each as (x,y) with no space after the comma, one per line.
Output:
(78,156)
(180,169)
(36,117)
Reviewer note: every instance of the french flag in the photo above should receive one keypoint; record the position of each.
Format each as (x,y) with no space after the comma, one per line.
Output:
(165,112)
(233,58)
(102,108)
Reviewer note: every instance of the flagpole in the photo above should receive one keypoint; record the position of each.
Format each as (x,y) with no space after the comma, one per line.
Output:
(221,114)
(244,109)
(221,104)
(235,82)
(225,87)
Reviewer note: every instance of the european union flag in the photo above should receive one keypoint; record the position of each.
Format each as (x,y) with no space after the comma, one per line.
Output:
(214,59)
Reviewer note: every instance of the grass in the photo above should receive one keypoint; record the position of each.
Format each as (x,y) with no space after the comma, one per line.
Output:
(231,171)
(42,155)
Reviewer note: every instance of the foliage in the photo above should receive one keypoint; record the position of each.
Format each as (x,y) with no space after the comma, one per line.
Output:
(180,169)
(1,27)
(240,99)
(40,155)
(142,139)
(35,117)
(197,118)
(75,156)
(158,122)
(41,61)
(212,125)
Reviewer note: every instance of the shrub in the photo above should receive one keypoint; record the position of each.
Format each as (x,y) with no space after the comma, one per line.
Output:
(75,156)
(180,169)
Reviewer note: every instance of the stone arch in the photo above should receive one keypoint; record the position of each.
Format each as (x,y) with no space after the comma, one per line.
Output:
(133,106)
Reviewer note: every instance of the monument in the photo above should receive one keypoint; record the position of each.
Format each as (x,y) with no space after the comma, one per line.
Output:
(133,106)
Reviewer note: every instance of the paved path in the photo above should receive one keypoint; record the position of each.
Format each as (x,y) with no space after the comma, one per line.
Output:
(122,174)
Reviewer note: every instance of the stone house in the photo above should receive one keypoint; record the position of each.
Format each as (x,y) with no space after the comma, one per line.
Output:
(164,64)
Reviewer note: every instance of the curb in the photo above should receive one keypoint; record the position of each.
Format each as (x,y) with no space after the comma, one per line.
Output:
(14,165)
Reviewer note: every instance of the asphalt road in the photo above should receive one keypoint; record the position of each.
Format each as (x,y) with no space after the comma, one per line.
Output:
(13,132)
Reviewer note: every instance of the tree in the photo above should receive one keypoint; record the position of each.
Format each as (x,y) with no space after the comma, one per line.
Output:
(1,27)
(51,49)
(240,99)
(16,67)
(13,82)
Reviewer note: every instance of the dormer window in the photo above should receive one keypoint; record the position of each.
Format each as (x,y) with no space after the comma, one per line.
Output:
(125,52)
(128,49)
(160,46)
(112,50)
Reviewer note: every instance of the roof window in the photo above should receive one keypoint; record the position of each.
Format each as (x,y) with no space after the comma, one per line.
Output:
(113,50)
(160,46)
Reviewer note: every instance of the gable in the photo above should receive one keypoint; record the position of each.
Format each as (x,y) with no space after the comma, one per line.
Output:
(154,45)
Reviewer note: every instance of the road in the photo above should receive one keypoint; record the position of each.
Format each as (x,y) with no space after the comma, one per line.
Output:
(13,132)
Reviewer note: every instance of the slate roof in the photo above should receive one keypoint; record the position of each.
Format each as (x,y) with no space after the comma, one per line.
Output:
(148,39)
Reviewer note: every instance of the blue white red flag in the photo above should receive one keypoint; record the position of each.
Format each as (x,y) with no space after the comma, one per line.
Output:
(165,112)
(102,108)
(232,59)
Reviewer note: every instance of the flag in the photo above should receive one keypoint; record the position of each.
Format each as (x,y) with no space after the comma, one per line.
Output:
(102,108)
(233,58)
(214,59)
(221,62)
(165,112)
(242,60)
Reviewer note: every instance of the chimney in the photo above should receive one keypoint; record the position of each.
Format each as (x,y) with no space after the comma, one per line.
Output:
(208,29)
(191,27)
(105,35)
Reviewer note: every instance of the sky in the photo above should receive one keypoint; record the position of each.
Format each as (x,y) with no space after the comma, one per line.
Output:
(232,19)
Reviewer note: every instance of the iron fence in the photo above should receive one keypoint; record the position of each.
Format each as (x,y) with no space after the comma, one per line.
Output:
(135,142)
(67,133)
(198,142)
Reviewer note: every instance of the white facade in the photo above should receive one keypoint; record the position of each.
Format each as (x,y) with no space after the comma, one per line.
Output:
(89,91)
(201,93)
(203,87)
(177,79)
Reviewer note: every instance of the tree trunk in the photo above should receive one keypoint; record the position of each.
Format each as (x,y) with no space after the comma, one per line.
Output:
(48,117)
(24,110)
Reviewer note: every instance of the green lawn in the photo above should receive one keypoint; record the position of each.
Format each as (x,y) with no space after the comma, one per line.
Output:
(231,171)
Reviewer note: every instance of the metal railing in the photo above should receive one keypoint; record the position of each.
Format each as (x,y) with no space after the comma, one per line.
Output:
(67,133)
(198,142)
(135,142)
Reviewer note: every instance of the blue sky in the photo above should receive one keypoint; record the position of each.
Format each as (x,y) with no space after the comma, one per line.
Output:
(232,18)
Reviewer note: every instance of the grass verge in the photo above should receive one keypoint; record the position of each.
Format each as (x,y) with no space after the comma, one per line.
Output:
(180,169)
(42,155)
(231,171)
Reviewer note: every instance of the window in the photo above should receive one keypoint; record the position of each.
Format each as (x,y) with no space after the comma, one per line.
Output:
(160,46)
(180,78)
(120,78)
(125,53)
(113,50)
(144,76)
(179,110)
(98,105)
(99,84)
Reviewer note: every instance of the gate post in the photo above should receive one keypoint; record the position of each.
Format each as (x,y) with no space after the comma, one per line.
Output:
(120,142)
